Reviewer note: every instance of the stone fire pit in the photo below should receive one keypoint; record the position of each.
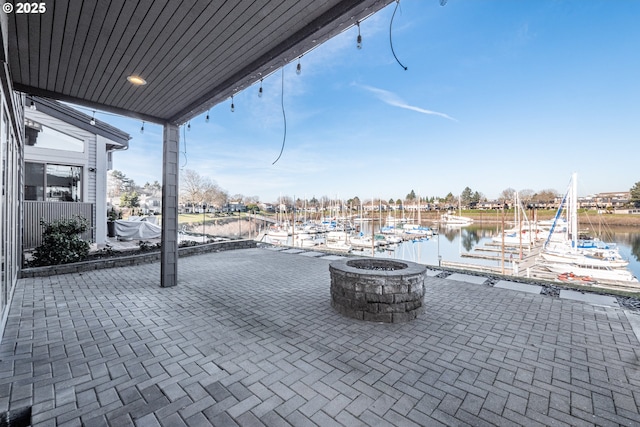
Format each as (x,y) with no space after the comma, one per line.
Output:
(378,290)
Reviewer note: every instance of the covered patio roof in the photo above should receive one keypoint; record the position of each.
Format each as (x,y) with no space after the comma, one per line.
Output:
(192,54)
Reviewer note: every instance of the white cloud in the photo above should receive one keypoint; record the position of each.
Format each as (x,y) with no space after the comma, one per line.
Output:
(395,101)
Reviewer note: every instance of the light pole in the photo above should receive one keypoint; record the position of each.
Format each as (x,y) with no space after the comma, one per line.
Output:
(204,213)
(439,257)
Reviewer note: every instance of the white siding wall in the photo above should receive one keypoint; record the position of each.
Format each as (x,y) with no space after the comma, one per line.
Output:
(87,160)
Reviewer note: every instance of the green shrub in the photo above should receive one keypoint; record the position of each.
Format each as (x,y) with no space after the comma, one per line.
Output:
(61,242)
(113,214)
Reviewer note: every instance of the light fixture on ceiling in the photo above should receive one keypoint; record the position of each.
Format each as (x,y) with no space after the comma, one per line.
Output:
(136,80)
(93,119)
(359,39)
(142,128)
(233,108)
(32,106)
(299,67)
(207,118)
(260,90)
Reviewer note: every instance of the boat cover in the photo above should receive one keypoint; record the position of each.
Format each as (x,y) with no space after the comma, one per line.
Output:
(137,229)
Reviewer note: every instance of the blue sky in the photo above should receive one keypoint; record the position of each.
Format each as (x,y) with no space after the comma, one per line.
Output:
(498,94)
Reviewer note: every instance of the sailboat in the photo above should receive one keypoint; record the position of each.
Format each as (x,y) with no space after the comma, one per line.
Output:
(416,230)
(280,230)
(455,220)
(525,232)
(568,254)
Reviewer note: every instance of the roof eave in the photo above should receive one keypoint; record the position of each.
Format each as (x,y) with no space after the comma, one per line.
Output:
(118,139)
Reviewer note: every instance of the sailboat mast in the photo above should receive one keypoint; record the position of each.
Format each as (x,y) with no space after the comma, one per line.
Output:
(574,211)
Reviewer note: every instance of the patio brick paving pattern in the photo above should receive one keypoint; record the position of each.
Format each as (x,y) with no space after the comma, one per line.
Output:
(248,337)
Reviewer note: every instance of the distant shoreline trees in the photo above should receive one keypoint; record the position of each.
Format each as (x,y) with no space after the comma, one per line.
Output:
(197,190)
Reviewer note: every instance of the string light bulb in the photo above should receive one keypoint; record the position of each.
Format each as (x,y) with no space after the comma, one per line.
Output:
(298,67)
(93,119)
(189,126)
(260,90)
(207,118)
(32,106)
(142,128)
(233,108)
(359,39)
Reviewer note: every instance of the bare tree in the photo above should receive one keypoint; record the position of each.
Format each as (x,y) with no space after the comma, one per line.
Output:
(198,190)
(252,199)
(526,196)
(507,195)
(545,197)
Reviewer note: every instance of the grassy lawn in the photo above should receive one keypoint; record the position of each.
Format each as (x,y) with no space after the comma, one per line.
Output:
(190,218)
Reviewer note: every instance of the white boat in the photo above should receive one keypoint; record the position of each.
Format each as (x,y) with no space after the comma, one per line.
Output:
(363,242)
(450,219)
(416,230)
(515,237)
(566,248)
(307,243)
(391,230)
(338,241)
(278,233)
(338,245)
(393,221)
(302,235)
(455,220)
(596,272)
(337,236)
(392,239)
(559,224)
(525,232)
(602,258)
(569,255)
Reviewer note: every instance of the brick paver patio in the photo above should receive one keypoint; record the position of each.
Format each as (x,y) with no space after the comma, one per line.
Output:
(249,338)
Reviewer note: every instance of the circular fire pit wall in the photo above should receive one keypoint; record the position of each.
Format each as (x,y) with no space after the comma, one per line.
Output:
(377,290)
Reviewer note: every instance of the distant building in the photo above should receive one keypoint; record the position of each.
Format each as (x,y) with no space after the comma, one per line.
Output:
(267,207)
(150,204)
(234,206)
(609,200)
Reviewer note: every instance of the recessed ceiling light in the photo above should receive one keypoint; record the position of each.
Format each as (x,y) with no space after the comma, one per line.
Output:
(136,80)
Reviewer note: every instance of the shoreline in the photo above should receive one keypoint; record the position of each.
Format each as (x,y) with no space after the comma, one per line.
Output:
(584,218)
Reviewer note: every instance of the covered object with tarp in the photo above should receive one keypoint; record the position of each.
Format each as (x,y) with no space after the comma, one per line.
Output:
(137,230)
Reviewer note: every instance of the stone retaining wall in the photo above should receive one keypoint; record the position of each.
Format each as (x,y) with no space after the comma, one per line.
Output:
(376,294)
(142,258)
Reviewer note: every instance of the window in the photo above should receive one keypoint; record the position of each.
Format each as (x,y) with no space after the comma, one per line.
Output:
(53,183)
(41,136)
(33,181)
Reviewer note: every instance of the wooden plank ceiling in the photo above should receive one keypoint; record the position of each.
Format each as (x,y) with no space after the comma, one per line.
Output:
(192,53)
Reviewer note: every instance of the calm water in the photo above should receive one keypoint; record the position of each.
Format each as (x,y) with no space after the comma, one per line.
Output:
(450,244)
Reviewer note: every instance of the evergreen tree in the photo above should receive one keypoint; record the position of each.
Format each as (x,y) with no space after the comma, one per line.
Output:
(466,197)
(130,200)
(634,196)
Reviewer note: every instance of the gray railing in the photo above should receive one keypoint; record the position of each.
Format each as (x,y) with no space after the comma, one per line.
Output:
(50,211)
